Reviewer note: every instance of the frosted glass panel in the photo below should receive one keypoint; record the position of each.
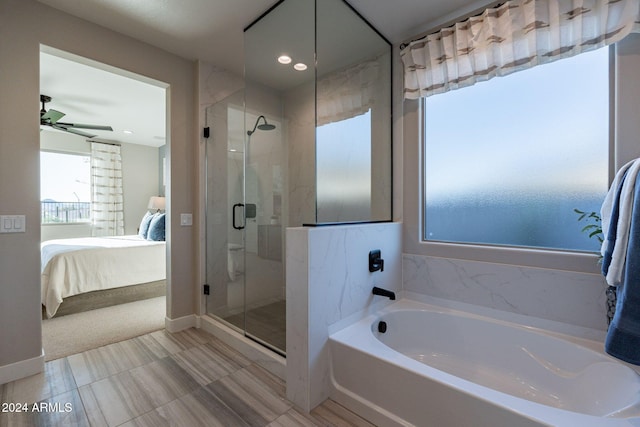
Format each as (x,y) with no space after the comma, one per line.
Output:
(343,156)
(507,160)
(353,112)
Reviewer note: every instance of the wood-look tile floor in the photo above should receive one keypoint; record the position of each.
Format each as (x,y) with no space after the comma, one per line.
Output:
(186,379)
(268,323)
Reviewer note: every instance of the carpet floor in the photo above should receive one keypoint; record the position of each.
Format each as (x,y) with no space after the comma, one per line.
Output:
(75,333)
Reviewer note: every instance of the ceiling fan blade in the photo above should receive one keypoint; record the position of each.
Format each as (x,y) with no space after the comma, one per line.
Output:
(84,126)
(78,132)
(74,131)
(52,116)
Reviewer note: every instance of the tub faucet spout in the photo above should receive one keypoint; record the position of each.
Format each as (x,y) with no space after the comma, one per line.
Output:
(383,292)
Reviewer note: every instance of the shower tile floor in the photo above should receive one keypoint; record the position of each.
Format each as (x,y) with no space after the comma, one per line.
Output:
(160,379)
(267,323)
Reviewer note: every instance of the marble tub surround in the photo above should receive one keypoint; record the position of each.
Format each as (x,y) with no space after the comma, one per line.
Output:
(560,296)
(189,379)
(328,280)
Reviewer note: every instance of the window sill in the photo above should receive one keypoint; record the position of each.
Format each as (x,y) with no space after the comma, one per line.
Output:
(582,262)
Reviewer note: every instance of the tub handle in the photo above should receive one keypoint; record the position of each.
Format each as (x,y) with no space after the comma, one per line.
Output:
(376,263)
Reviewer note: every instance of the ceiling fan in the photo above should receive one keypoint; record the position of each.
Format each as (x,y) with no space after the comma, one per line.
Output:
(51,117)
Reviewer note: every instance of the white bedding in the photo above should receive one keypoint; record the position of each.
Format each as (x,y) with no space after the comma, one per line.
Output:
(75,266)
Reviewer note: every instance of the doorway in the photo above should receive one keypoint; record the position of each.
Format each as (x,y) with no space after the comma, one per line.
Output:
(87,104)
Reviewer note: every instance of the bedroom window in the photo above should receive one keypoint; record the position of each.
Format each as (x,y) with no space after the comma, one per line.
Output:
(65,188)
(507,161)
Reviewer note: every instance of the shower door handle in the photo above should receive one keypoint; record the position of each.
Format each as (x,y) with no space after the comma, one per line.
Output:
(237,205)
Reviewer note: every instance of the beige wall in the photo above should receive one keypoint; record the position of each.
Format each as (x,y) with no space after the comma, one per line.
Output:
(24,25)
(140,181)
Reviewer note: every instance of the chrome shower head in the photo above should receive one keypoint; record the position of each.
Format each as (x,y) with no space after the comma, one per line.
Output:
(264,126)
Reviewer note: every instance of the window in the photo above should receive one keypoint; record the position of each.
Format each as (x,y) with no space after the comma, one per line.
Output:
(507,161)
(65,187)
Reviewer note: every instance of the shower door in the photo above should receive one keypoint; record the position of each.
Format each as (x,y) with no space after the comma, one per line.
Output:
(244,236)
(263,232)
(224,242)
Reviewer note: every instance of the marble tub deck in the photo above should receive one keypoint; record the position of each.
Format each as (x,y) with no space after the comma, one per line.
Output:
(160,379)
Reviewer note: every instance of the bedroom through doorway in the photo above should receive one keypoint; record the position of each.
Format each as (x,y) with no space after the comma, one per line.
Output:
(103,163)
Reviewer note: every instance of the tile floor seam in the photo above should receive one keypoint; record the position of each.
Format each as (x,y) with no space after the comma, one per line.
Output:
(202,388)
(84,408)
(184,341)
(132,419)
(211,392)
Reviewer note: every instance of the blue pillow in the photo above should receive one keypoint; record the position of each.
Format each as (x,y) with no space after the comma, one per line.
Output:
(156,228)
(144,225)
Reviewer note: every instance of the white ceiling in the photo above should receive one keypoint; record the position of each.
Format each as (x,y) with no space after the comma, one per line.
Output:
(90,95)
(212,30)
(207,30)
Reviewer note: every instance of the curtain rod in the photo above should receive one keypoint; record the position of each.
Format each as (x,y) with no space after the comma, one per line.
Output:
(452,22)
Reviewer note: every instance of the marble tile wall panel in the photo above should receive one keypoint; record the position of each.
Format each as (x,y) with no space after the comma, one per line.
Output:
(216,83)
(297,329)
(563,296)
(299,110)
(328,279)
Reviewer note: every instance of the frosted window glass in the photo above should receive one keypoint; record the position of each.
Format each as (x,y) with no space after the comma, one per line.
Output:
(507,160)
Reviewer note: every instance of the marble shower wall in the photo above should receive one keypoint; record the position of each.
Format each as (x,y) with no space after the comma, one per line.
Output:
(299,112)
(328,280)
(562,296)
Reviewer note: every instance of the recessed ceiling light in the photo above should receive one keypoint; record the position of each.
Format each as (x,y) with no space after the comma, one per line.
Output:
(284,59)
(300,66)
(128,132)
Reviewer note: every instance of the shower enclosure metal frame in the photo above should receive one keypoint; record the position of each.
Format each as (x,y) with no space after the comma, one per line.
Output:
(336,43)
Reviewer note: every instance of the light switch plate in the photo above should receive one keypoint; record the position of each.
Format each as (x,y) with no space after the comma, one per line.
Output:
(12,223)
(186,219)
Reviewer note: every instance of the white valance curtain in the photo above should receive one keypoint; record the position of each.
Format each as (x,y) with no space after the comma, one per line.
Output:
(107,207)
(348,93)
(515,35)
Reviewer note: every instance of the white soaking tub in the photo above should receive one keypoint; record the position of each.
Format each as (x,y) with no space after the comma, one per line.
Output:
(439,367)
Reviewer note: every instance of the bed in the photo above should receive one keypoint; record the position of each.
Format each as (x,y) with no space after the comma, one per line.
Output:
(77,266)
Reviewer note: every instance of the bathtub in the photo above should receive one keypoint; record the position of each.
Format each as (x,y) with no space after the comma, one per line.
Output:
(435,366)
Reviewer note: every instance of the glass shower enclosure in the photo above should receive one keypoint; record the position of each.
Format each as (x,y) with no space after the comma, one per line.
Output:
(307,142)
(244,238)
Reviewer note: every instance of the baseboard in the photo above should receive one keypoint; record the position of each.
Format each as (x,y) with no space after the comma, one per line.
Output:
(181,323)
(22,369)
